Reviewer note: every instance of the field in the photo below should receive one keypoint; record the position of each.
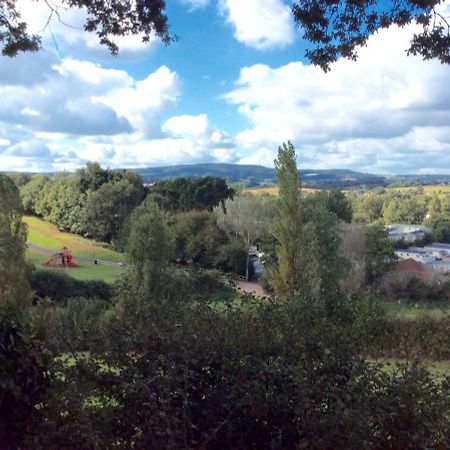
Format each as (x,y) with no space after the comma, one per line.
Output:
(428,189)
(273,191)
(86,271)
(46,235)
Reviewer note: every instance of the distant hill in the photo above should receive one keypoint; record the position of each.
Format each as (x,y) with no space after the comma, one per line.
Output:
(252,175)
(249,176)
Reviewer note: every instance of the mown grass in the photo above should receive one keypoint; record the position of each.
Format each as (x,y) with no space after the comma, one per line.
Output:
(47,235)
(85,272)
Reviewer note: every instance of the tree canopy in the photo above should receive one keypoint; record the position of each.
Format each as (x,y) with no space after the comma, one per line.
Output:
(334,27)
(338,27)
(108,19)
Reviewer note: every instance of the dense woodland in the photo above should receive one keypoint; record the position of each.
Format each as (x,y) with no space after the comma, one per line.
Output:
(170,358)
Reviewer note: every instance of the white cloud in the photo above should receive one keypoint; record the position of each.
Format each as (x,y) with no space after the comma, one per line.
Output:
(260,24)
(195,4)
(141,102)
(360,115)
(80,111)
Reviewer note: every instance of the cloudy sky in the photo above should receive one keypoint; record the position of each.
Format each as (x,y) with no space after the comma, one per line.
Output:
(231,89)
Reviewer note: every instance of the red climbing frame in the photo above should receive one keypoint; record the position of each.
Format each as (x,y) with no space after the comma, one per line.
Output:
(61,259)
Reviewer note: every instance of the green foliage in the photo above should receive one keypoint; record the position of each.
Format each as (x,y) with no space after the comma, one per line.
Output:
(271,376)
(338,203)
(60,287)
(184,194)
(197,237)
(149,248)
(307,238)
(95,202)
(70,326)
(107,20)
(24,382)
(410,210)
(244,217)
(441,231)
(232,257)
(107,209)
(14,289)
(287,225)
(337,28)
(368,208)
(379,252)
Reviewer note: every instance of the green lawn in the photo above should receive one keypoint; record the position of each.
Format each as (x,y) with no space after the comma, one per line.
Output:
(86,271)
(47,235)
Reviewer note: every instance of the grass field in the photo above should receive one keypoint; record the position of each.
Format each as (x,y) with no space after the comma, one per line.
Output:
(47,235)
(431,189)
(273,191)
(86,271)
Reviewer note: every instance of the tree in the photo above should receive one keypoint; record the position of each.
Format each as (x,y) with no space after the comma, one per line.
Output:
(338,27)
(14,288)
(197,237)
(107,209)
(149,248)
(32,192)
(380,254)
(244,217)
(337,203)
(287,226)
(108,19)
(307,240)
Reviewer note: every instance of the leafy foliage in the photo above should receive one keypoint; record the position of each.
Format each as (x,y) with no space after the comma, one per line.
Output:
(337,27)
(14,289)
(108,19)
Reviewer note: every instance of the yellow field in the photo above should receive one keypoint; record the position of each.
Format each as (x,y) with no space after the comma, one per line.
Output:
(273,191)
(431,189)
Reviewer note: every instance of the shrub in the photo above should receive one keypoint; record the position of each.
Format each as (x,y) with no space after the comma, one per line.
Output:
(232,257)
(59,286)
(23,384)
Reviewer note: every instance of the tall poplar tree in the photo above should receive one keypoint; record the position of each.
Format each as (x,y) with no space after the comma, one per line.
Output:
(287,226)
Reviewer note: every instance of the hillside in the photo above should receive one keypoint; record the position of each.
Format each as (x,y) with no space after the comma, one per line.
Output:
(252,175)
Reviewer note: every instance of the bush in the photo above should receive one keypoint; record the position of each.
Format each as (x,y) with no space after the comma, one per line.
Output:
(74,326)
(272,376)
(23,385)
(59,286)
(232,257)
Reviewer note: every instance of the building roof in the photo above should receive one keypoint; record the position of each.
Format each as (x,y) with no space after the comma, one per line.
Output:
(409,265)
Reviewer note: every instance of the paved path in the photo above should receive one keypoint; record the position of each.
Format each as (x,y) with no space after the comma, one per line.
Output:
(49,251)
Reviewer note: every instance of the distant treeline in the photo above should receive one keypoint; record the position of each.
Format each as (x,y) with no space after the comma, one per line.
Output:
(97,202)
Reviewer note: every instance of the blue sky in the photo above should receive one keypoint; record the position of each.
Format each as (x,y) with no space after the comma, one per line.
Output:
(232,89)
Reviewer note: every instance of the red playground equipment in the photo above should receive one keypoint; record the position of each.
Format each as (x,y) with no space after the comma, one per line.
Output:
(61,259)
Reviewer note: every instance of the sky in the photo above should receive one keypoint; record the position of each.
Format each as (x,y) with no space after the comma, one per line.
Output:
(231,89)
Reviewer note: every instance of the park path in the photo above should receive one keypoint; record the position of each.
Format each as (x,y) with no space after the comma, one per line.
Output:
(50,251)
(250,287)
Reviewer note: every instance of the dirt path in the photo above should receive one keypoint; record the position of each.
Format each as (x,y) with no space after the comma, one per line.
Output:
(49,251)
(251,287)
